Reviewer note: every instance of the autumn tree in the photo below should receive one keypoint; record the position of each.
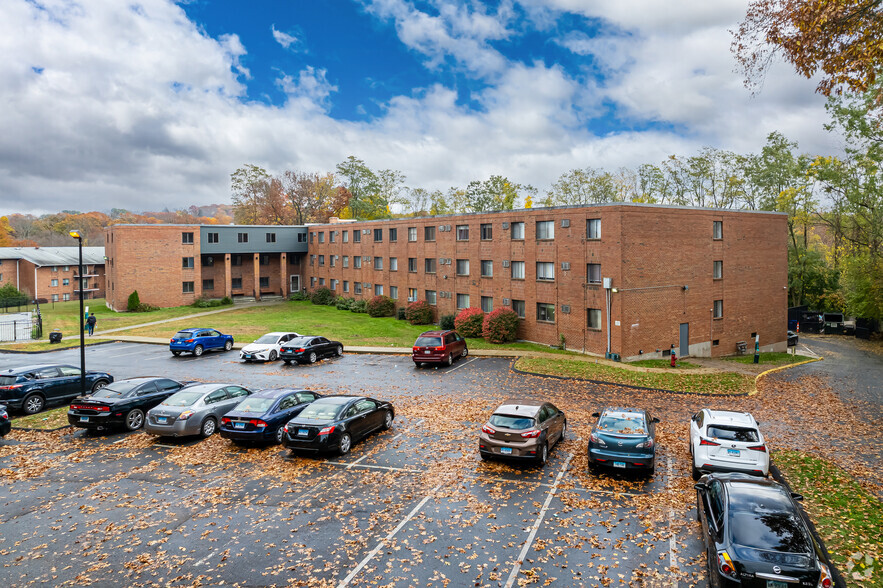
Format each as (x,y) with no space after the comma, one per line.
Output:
(314,197)
(582,186)
(495,193)
(372,192)
(250,185)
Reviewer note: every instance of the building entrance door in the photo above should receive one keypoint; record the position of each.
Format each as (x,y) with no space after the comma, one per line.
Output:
(684,345)
(295,284)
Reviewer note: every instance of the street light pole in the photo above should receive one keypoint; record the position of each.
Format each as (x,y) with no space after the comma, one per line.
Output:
(76,235)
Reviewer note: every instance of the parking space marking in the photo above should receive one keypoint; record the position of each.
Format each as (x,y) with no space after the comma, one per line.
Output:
(351,465)
(672,543)
(462,365)
(391,534)
(374,467)
(513,575)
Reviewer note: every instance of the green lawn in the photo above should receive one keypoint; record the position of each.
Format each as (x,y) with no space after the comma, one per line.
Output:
(44,345)
(720,383)
(663,363)
(847,517)
(772,358)
(48,419)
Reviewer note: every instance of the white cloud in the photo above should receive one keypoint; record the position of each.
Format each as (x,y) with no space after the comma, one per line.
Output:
(284,38)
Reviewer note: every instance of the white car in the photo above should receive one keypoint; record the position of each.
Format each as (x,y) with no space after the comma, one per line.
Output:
(266,348)
(727,441)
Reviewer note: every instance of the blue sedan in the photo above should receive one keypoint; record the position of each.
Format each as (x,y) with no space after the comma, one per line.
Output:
(197,341)
(261,416)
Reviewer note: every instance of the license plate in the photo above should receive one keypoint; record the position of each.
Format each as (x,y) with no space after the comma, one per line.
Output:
(247,356)
(238,425)
(619,464)
(776,584)
(162,420)
(303,432)
(84,419)
(505,450)
(427,352)
(735,453)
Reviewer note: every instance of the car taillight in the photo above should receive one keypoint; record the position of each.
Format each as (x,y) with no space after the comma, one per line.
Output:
(725,564)
(825,580)
(185,415)
(285,428)
(531,434)
(646,444)
(299,350)
(13,387)
(758,448)
(595,438)
(442,348)
(189,340)
(707,442)
(415,349)
(87,407)
(171,340)
(258,423)
(488,429)
(327,430)
(225,421)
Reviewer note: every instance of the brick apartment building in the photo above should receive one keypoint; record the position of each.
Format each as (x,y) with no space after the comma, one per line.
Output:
(626,279)
(51,273)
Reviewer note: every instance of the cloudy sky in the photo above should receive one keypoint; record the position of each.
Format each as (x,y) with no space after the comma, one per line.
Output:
(153,103)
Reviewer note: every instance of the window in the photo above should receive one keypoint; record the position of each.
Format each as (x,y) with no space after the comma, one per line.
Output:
(378,289)
(65,282)
(487,268)
(264,259)
(236,283)
(346,236)
(545,230)
(718,271)
(65,296)
(313,259)
(412,234)
(518,306)
(545,312)
(332,260)
(187,238)
(346,261)
(429,265)
(55,298)
(346,286)
(66,268)
(321,236)
(333,284)
(462,232)
(264,281)
(594,318)
(718,230)
(487,303)
(412,264)
(429,233)
(394,292)
(593,228)
(718,311)
(545,270)
(462,267)
(378,263)
(593,273)
(312,237)
(242,237)
(462,301)
(518,231)
(321,260)
(312,282)
(213,237)
(55,268)
(207,260)
(487,231)
(301,237)
(517,270)
(208,284)
(54,282)
(357,287)
(236,259)
(357,236)
(187,262)
(412,294)
(357,261)
(430,297)
(378,235)
(393,235)
(188,287)
(332,236)
(393,264)
(271,237)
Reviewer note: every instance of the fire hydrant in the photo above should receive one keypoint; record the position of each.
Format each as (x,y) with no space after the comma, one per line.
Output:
(674,357)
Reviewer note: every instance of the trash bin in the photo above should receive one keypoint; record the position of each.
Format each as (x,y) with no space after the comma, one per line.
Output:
(55,336)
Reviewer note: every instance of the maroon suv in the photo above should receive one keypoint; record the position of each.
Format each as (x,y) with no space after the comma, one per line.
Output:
(438,347)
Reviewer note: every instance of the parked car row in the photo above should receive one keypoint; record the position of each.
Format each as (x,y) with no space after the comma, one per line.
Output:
(287,346)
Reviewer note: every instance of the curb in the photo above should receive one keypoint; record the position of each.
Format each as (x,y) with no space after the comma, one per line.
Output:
(778,369)
(53,350)
(42,430)
(777,475)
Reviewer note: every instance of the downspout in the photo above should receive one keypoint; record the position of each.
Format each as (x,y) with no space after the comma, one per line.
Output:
(35,282)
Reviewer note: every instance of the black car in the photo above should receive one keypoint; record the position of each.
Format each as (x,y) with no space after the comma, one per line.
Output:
(756,535)
(122,403)
(333,423)
(309,349)
(5,423)
(261,416)
(31,388)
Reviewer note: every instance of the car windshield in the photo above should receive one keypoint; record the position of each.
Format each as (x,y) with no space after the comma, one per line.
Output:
(428,342)
(320,411)
(117,390)
(300,342)
(7,380)
(773,531)
(255,404)
(627,423)
(728,433)
(183,335)
(267,339)
(511,422)
(182,399)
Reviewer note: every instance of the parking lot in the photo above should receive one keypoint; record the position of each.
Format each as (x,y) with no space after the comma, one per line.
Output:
(413,506)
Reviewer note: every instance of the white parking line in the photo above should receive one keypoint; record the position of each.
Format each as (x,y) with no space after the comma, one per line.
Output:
(391,534)
(513,576)
(462,365)
(349,466)
(672,542)
(374,467)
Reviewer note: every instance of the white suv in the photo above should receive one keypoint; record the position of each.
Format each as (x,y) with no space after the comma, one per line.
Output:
(727,441)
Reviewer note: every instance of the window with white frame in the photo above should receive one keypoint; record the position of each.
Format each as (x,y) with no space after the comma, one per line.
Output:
(429,233)
(593,273)
(346,286)
(462,232)
(431,297)
(346,261)
(487,268)
(545,270)
(545,230)
(378,263)
(54,282)
(332,260)
(378,289)
(357,287)
(187,287)
(429,265)
(462,301)
(593,228)
(518,231)
(378,235)
(321,260)
(517,270)
(346,236)
(394,292)
(321,236)
(412,234)
(487,303)
(393,264)
(412,264)
(393,235)
(718,309)
(357,261)
(593,318)
(65,296)
(357,236)
(519,307)
(412,294)
(545,312)
(487,231)
(717,229)
(333,284)
(718,270)
(462,267)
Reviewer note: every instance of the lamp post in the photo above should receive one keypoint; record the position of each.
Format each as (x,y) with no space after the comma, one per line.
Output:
(76,235)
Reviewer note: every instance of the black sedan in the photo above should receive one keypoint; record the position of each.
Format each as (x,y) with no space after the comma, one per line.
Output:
(30,388)
(309,349)
(5,423)
(261,416)
(756,535)
(122,403)
(334,423)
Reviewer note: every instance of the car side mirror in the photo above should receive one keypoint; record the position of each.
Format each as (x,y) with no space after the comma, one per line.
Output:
(796,496)
(700,487)
(596,414)
(654,420)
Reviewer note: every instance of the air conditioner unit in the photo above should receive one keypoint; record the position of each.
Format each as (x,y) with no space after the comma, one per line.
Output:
(506,302)
(565,309)
(565,222)
(505,226)
(366,285)
(505,263)
(366,231)
(210,259)
(565,265)
(447,227)
(441,228)
(366,258)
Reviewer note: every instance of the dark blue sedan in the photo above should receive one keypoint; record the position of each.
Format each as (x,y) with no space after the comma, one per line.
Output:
(624,438)
(197,341)
(30,388)
(261,416)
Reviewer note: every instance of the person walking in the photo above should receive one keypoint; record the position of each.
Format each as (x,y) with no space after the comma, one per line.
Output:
(90,323)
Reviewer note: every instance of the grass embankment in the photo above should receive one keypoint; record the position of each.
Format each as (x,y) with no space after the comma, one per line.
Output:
(772,358)
(718,383)
(48,419)
(44,345)
(664,364)
(847,517)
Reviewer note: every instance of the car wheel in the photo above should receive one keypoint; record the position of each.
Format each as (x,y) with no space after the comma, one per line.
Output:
(346,443)
(280,432)
(228,345)
(543,454)
(450,359)
(563,432)
(465,352)
(652,470)
(696,473)
(273,356)
(134,419)
(286,361)
(197,351)
(313,357)
(387,420)
(339,350)
(33,404)
(98,385)
(208,428)
(698,518)
(484,456)
(176,353)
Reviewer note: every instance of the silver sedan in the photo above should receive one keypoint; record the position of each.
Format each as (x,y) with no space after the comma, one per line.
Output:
(194,410)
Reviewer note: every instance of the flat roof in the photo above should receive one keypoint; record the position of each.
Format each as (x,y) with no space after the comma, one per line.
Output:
(42,256)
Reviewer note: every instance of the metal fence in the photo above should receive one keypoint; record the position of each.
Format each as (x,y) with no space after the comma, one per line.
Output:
(25,326)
